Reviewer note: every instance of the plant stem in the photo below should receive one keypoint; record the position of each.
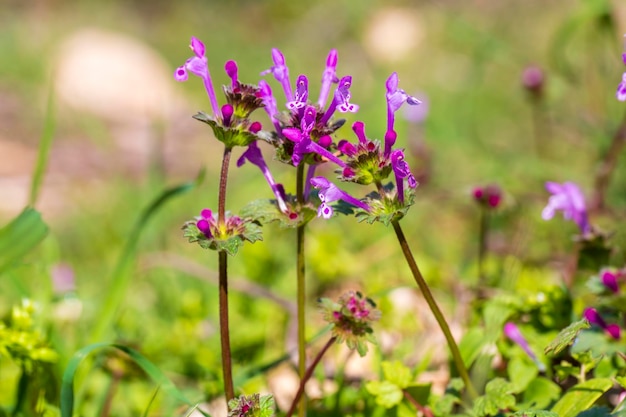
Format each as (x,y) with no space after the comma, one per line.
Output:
(301,290)
(607,166)
(227,370)
(425,411)
(482,246)
(307,375)
(221,208)
(432,304)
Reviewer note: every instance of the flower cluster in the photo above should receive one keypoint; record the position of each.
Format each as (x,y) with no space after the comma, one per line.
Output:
(351,319)
(230,122)
(489,196)
(229,236)
(253,405)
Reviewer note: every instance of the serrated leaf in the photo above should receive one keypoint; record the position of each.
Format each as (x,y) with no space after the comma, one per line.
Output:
(535,413)
(397,373)
(581,397)
(387,394)
(266,211)
(497,397)
(566,337)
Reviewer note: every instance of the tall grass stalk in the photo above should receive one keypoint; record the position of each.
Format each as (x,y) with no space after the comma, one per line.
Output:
(432,304)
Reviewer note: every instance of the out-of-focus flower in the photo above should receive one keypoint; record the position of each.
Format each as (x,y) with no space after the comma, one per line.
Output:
(621,88)
(567,198)
(253,405)
(328,193)
(610,279)
(489,196)
(63,279)
(533,80)
(513,333)
(593,317)
(351,319)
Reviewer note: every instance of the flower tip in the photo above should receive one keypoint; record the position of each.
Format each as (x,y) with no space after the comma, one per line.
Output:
(278,57)
(325,141)
(197,47)
(392,82)
(231,68)
(255,127)
(180,74)
(331,61)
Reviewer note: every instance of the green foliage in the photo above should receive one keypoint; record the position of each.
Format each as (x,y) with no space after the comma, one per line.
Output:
(581,397)
(566,337)
(20,236)
(498,396)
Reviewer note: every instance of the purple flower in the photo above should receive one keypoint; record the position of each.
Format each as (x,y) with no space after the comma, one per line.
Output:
(489,196)
(621,89)
(280,72)
(302,94)
(198,65)
(269,103)
(231,70)
(395,99)
(254,156)
(328,193)
(513,333)
(329,77)
(401,170)
(341,100)
(207,223)
(593,317)
(609,279)
(303,141)
(567,198)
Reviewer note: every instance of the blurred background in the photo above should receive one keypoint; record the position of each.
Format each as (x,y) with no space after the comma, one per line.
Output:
(515,93)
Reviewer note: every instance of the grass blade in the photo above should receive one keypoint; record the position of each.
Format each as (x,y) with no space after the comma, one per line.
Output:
(67,383)
(121,274)
(45,143)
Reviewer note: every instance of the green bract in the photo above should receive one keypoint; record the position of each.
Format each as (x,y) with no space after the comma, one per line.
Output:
(237,135)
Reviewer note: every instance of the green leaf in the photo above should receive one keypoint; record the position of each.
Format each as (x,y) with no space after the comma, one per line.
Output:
(420,392)
(521,373)
(20,236)
(398,374)
(67,383)
(387,394)
(472,344)
(581,397)
(535,413)
(497,397)
(566,337)
(540,393)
